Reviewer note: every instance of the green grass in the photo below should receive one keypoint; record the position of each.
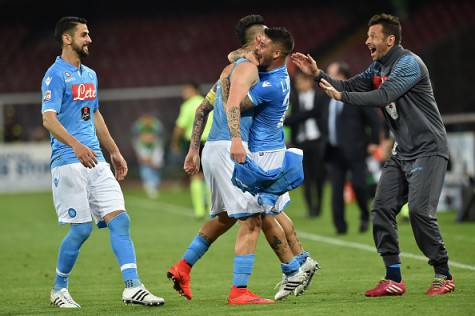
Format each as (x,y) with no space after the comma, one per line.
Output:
(161,230)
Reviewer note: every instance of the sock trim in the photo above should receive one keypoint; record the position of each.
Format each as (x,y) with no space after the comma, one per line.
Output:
(61,274)
(128,266)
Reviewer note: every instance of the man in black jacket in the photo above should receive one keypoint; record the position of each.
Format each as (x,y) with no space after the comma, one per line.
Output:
(348,146)
(308,132)
(398,82)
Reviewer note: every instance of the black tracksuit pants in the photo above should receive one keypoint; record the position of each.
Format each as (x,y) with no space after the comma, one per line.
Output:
(418,182)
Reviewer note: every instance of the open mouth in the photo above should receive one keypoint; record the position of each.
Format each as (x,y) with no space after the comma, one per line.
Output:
(372,50)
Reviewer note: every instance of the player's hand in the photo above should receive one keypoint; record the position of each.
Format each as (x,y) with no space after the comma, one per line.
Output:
(120,166)
(306,64)
(330,90)
(238,153)
(86,155)
(192,163)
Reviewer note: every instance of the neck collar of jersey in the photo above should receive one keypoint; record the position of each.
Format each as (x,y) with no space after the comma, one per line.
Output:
(391,55)
(283,67)
(67,65)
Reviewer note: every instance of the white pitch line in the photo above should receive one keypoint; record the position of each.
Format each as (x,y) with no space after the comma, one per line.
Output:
(185,211)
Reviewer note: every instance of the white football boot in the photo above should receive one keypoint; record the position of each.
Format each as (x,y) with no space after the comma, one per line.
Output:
(294,284)
(310,267)
(140,295)
(62,299)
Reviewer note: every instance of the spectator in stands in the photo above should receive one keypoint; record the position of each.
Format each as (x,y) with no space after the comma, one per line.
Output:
(148,145)
(348,147)
(183,130)
(308,132)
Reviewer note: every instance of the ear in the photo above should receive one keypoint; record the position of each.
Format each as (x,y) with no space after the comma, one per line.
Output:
(391,40)
(67,39)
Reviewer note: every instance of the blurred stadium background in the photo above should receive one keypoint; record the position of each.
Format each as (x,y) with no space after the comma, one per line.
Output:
(144,51)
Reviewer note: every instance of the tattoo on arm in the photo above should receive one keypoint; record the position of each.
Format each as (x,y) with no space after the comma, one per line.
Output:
(225,85)
(201,117)
(233,115)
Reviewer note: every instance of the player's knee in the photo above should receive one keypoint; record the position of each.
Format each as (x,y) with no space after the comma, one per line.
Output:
(81,232)
(120,224)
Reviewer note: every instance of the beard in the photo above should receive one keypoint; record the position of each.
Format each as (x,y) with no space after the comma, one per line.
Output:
(82,51)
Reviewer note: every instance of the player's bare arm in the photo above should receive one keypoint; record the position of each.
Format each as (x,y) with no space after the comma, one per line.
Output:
(86,156)
(245,74)
(245,104)
(192,159)
(106,140)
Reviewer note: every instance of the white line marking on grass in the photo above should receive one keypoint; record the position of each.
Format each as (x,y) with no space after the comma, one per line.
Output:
(185,211)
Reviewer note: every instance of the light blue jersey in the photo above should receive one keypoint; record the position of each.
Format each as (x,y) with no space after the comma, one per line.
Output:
(271,99)
(220,129)
(71,92)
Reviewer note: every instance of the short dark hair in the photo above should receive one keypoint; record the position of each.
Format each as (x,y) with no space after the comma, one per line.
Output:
(344,69)
(282,37)
(66,24)
(243,26)
(391,25)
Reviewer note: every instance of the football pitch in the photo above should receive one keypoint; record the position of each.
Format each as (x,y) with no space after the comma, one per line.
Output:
(162,229)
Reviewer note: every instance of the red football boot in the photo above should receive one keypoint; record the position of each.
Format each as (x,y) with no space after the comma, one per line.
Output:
(387,288)
(242,296)
(179,273)
(441,286)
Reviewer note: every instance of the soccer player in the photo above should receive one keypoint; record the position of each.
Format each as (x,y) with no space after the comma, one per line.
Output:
(398,82)
(270,100)
(84,187)
(183,127)
(229,202)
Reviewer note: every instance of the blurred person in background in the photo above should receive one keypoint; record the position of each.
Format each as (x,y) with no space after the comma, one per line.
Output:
(348,147)
(183,129)
(148,142)
(398,82)
(83,185)
(308,132)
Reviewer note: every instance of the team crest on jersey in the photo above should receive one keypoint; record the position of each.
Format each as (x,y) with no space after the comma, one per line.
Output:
(86,113)
(72,212)
(83,91)
(47,96)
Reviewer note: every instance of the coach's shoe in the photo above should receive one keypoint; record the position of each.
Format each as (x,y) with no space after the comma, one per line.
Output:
(310,267)
(387,288)
(242,296)
(441,286)
(179,274)
(63,299)
(140,295)
(294,284)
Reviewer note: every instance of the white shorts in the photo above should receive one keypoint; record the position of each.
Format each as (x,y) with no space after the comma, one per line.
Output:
(268,160)
(80,194)
(225,197)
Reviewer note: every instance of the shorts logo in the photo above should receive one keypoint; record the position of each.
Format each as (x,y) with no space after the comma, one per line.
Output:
(56,182)
(85,113)
(83,91)
(72,213)
(266,84)
(47,96)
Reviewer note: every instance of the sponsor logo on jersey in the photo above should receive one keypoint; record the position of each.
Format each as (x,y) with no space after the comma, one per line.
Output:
(56,182)
(47,96)
(86,113)
(47,81)
(392,110)
(83,91)
(68,76)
